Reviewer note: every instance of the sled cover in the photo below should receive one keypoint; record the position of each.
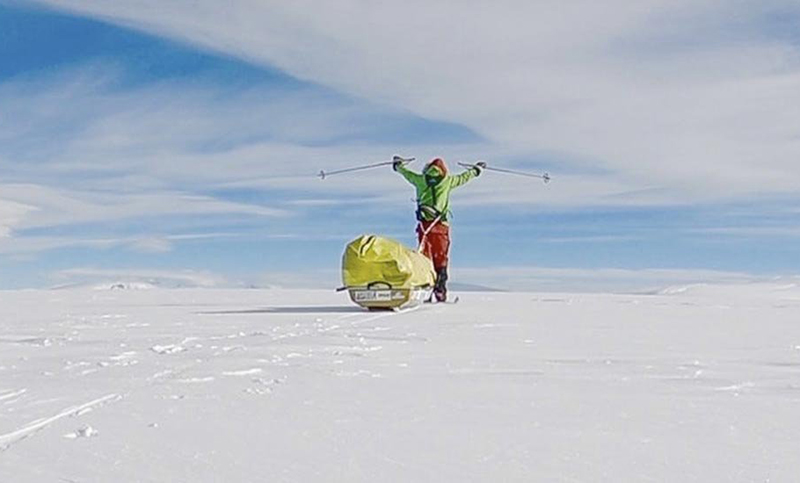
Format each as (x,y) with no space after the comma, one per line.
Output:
(371,259)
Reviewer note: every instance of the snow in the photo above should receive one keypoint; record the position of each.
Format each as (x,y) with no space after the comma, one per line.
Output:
(697,383)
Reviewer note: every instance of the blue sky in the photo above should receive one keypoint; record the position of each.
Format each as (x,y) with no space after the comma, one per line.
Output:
(145,141)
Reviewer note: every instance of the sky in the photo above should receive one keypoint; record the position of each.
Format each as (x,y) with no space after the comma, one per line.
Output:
(179,141)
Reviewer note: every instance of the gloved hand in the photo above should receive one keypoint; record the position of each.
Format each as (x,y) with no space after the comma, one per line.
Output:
(479,167)
(397,162)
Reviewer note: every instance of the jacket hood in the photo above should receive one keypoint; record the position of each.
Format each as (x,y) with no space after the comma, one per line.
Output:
(436,168)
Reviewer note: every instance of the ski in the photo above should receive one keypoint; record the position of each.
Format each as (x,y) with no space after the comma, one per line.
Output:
(433,301)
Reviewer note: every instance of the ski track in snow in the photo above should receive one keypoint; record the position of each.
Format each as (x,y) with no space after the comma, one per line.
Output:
(9,439)
(243,372)
(12,394)
(196,380)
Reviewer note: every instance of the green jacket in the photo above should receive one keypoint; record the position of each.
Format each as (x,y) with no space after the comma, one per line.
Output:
(436,196)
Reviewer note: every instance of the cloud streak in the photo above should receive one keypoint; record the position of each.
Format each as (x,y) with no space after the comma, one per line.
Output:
(111,155)
(697,98)
(56,207)
(11,215)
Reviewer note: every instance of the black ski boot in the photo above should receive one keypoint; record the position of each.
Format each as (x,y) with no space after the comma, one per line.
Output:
(440,289)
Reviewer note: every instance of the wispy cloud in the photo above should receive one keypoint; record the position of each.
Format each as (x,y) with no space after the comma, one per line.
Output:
(698,98)
(109,155)
(754,232)
(11,215)
(589,239)
(47,207)
(145,244)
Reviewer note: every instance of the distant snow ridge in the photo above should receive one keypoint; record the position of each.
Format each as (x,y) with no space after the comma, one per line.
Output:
(102,286)
(126,286)
(681,289)
(784,290)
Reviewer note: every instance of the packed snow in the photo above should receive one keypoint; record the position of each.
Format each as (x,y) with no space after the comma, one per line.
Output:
(692,384)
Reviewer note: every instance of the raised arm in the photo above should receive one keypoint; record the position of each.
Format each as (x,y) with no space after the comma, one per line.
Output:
(464,178)
(414,178)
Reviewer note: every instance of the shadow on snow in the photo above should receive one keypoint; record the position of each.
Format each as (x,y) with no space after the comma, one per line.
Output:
(311,309)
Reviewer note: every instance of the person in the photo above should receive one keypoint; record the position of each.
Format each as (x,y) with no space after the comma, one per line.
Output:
(434,186)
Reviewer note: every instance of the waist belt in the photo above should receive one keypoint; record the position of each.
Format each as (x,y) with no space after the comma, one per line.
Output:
(428,213)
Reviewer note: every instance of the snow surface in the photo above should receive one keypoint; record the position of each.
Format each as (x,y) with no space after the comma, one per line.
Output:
(698,383)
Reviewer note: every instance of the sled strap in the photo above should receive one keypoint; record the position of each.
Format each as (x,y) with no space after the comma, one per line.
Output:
(426,231)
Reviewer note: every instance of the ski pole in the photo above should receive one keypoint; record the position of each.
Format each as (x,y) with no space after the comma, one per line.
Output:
(323,174)
(545,177)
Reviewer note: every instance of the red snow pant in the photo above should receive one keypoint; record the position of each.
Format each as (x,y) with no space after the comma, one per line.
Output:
(436,244)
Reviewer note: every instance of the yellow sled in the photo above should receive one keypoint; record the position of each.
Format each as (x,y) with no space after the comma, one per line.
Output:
(381,273)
